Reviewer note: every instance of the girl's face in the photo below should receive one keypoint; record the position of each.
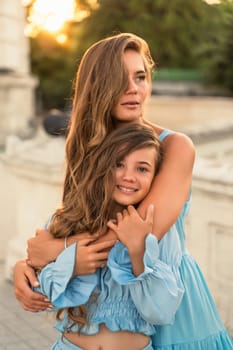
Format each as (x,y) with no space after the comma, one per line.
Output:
(134,175)
(130,106)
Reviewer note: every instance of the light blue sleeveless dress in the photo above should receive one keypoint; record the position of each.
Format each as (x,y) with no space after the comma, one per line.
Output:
(197,325)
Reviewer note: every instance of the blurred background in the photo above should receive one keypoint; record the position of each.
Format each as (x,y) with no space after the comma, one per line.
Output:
(189,40)
(41,44)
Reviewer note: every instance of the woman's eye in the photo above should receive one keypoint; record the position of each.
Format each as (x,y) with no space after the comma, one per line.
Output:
(141,77)
(119,165)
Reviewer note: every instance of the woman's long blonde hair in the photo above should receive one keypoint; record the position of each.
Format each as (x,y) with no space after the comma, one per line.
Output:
(101,79)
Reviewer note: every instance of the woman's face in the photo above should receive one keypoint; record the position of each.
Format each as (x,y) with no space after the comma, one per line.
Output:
(130,106)
(133,176)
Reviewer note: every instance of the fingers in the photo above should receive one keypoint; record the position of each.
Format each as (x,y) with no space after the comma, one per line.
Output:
(132,210)
(98,247)
(86,235)
(30,300)
(150,214)
(119,217)
(86,241)
(34,302)
(111,224)
(31,275)
(40,232)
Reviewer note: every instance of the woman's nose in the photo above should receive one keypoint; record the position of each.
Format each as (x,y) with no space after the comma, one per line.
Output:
(132,87)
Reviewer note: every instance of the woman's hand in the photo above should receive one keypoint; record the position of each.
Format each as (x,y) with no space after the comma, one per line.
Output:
(43,248)
(92,254)
(24,277)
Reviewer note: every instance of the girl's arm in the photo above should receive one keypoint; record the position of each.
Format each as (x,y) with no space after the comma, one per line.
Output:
(158,283)
(132,230)
(171,187)
(58,281)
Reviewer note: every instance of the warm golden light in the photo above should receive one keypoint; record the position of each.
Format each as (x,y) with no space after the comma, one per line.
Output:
(61,38)
(51,15)
(212,2)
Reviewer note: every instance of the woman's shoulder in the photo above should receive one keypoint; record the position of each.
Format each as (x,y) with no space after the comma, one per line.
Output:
(172,138)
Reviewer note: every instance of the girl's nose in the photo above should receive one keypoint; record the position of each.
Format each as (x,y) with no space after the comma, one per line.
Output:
(128,176)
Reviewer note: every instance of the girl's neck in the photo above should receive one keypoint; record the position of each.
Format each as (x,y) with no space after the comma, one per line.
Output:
(116,209)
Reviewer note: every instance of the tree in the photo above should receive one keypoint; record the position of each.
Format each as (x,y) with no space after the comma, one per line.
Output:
(216,53)
(173,28)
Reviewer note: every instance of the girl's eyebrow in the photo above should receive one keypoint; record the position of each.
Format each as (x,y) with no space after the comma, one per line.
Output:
(144,162)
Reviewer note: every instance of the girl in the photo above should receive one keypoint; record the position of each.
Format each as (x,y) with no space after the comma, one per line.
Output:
(114,315)
(112,85)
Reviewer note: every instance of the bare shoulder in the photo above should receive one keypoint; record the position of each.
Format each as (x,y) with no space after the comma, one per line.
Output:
(176,143)
(178,139)
(179,148)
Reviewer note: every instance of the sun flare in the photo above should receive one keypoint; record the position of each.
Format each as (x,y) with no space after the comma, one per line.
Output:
(51,16)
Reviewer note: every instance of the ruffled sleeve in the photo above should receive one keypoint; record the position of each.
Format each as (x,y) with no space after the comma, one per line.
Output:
(57,284)
(158,291)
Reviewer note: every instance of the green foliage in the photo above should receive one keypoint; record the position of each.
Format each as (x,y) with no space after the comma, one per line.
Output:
(182,34)
(216,52)
(55,67)
(173,28)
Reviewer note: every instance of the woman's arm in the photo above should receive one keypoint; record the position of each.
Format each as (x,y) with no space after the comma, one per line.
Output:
(89,258)
(171,187)
(44,248)
(24,277)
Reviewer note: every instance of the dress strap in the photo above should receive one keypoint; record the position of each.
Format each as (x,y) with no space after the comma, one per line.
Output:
(164,134)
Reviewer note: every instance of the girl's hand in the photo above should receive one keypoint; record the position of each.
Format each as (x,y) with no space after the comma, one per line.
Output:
(24,277)
(130,228)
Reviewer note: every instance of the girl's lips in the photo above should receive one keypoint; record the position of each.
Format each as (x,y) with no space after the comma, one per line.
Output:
(126,189)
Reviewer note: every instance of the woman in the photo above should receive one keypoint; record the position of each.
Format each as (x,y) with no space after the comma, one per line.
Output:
(112,85)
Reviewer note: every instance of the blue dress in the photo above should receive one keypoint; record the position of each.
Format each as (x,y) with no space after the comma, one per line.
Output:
(197,325)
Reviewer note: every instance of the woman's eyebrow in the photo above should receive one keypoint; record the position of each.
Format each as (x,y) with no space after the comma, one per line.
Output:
(140,71)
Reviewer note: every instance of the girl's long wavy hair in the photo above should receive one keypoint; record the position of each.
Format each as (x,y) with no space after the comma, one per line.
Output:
(97,186)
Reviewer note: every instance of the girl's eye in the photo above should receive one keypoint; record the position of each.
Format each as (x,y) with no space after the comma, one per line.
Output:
(142,169)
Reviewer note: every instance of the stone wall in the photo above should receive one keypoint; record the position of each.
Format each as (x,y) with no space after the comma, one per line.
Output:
(17,86)
(210,223)
(32,175)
